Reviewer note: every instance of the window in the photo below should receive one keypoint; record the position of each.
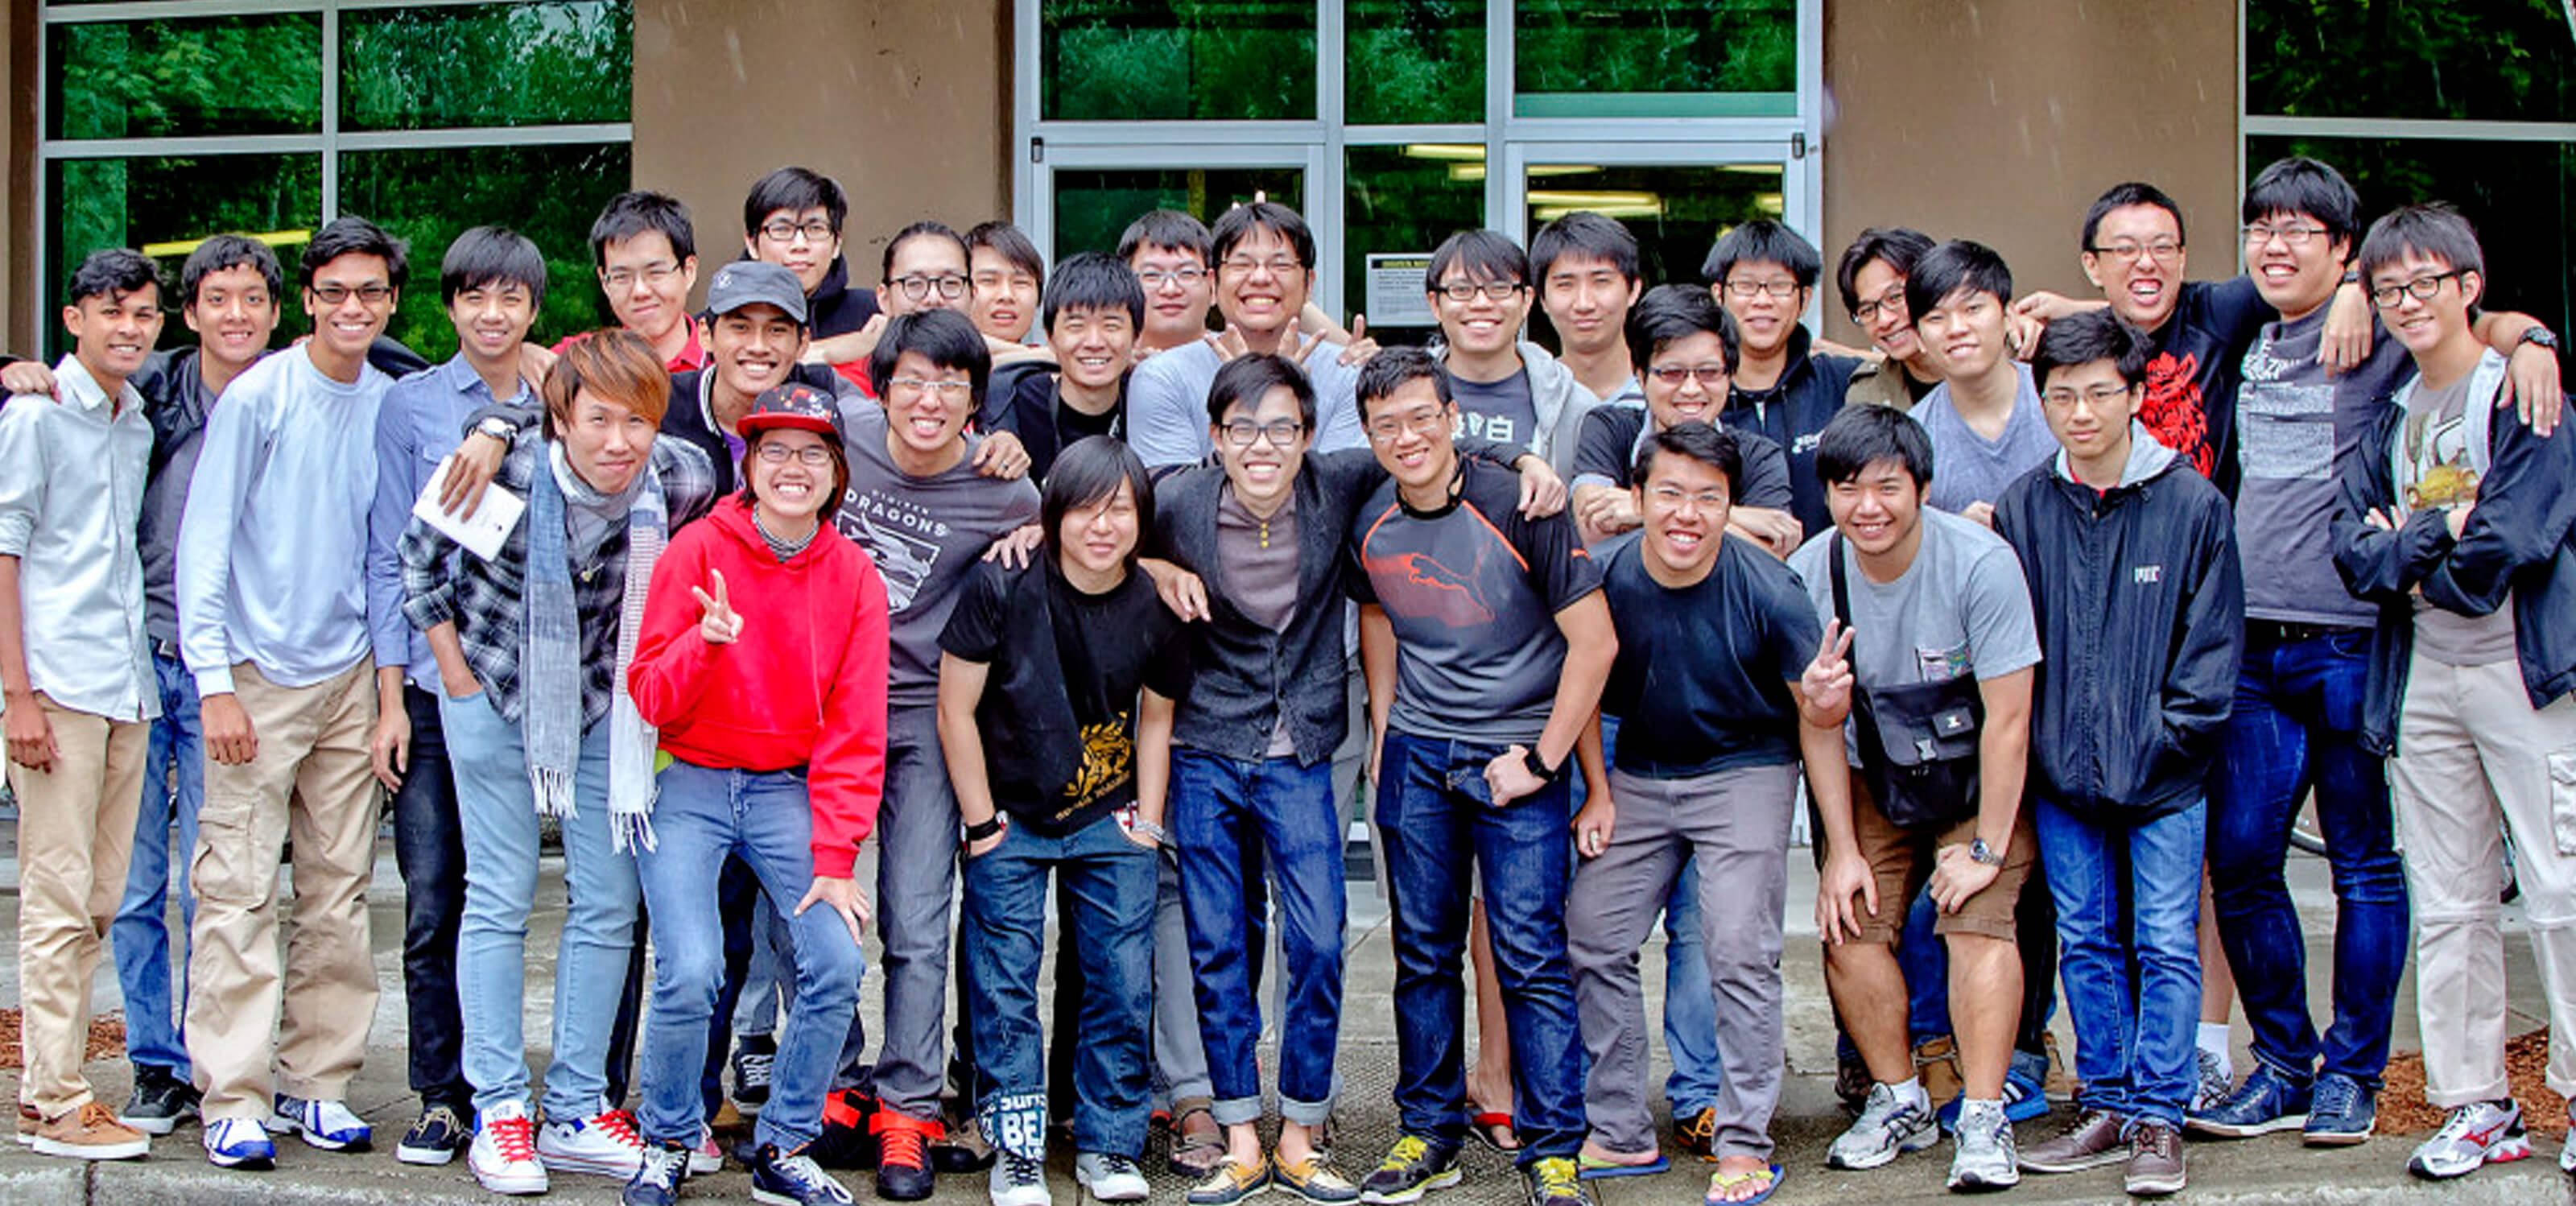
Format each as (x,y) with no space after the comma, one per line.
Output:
(159,130)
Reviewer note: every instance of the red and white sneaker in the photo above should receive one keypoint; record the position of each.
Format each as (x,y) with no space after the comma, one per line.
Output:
(2476,1135)
(604,1144)
(504,1152)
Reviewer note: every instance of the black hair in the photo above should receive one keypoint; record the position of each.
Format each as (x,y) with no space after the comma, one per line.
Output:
(924,230)
(222,251)
(751,455)
(1091,281)
(1586,233)
(1483,255)
(353,236)
(2122,196)
(795,190)
(643,211)
(113,272)
(1007,241)
(1710,446)
(1089,472)
(2433,230)
(1899,247)
(1861,436)
(2300,185)
(1168,228)
(1246,380)
(1761,240)
(485,256)
(1393,369)
(1668,313)
(946,338)
(2087,337)
(1238,224)
(1953,266)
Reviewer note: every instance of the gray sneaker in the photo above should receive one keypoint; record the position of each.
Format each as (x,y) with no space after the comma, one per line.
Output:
(1985,1158)
(1887,1128)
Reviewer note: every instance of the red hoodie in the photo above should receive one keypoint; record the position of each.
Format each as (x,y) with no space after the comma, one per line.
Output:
(804,685)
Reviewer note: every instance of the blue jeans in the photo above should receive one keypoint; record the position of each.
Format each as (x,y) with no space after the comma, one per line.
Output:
(2296,726)
(1434,814)
(174,785)
(2133,1050)
(1112,884)
(431,857)
(1230,818)
(766,817)
(497,811)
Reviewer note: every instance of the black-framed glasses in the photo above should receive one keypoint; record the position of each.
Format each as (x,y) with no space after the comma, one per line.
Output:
(918,286)
(814,455)
(1890,303)
(334,294)
(2423,288)
(782,232)
(1781,289)
(2161,251)
(1280,432)
(1467,291)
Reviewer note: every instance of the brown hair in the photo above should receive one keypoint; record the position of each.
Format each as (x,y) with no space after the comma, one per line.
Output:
(615,365)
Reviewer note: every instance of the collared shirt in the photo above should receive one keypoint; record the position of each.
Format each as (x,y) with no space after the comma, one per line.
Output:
(421,420)
(71,488)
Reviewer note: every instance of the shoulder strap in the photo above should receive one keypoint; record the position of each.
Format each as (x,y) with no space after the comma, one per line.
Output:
(1842,584)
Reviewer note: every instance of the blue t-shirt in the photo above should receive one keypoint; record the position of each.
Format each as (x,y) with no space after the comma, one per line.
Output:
(1701,683)
(1967,467)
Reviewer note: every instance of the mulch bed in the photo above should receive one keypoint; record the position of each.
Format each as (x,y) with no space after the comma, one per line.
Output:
(106,1038)
(2403,1110)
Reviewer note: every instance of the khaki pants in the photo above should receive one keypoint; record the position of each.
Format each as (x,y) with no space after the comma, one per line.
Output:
(75,833)
(312,782)
(2474,758)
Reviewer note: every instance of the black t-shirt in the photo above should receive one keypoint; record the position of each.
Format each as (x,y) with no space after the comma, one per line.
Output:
(1701,683)
(2193,366)
(1046,426)
(1607,449)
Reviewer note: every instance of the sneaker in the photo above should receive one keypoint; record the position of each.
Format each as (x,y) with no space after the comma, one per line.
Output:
(91,1133)
(1020,1181)
(2023,1099)
(503,1156)
(1314,1180)
(2477,1134)
(1985,1159)
(326,1124)
(435,1137)
(754,1057)
(1557,1181)
(160,1103)
(903,1155)
(239,1143)
(657,1180)
(2210,1087)
(2341,1112)
(793,1179)
(2567,1153)
(1412,1167)
(2093,1141)
(2155,1160)
(708,1156)
(1698,1133)
(1887,1127)
(1110,1177)
(604,1143)
(1231,1182)
(845,1142)
(2268,1101)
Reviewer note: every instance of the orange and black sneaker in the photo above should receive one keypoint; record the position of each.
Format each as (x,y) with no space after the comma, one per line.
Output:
(1698,1133)
(845,1141)
(903,1155)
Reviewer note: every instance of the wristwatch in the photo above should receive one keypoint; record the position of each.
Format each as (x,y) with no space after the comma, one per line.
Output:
(1982,854)
(1161,836)
(1530,762)
(498,428)
(2538,336)
(986,828)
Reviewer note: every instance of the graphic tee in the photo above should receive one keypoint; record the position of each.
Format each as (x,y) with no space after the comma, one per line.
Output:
(2437,471)
(2293,421)
(1501,411)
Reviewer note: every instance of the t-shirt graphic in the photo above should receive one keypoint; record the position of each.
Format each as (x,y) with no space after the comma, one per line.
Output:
(1108,763)
(1416,585)
(885,526)
(2439,472)
(2174,410)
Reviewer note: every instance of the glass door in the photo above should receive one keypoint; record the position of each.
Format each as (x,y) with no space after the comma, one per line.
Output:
(1676,197)
(1087,195)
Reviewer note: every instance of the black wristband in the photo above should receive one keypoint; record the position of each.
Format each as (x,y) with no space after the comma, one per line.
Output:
(986,828)
(1530,761)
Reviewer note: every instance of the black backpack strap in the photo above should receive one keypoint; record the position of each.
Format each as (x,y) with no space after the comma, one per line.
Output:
(1842,584)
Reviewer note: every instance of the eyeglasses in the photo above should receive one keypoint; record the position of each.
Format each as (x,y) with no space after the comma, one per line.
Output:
(1712,377)
(782,231)
(622,279)
(1672,496)
(1386,429)
(334,294)
(1467,291)
(1279,432)
(2389,297)
(1279,265)
(2100,397)
(951,390)
(815,455)
(1890,303)
(1780,289)
(2259,234)
(2161,251)
(1154,278)
(917,287)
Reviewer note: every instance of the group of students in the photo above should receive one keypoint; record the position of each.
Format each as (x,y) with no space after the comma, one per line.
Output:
(1057,593)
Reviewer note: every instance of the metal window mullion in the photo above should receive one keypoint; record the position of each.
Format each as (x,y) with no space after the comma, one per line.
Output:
(486,136)
(216,144)
(1500,188)
(1327,185)
(2241,94)
(330,112)
(2389,128)
(168,10)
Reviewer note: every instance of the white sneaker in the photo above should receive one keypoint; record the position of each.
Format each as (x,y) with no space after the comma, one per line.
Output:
(2477,1134)
(708,1156)
(1887,1127)
(604,1144)
(1109,1177)
(1018,1181)
(504,1152)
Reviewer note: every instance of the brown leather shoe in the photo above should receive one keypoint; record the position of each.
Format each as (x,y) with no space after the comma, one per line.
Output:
(1936,1063)
(91,1133)
(2092,1142)
(2155,1160)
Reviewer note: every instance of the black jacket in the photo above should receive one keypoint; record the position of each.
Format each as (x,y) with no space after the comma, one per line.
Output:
(2520,541)
(2141,610)
(1807,396)
(686,417)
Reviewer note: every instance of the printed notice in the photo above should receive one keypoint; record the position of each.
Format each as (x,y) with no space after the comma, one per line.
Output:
(1395,294)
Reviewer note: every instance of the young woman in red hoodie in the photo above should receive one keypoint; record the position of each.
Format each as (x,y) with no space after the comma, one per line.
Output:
(773,718)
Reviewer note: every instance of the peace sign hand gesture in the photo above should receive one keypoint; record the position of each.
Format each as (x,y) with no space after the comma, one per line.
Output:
(1827,683)
(719,625)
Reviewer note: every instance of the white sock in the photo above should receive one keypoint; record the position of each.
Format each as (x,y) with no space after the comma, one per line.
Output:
(1967,1103)
(1911,1089)
(2212,1038)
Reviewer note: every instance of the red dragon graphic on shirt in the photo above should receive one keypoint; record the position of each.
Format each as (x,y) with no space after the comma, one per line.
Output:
(1417,585)
(2174,412)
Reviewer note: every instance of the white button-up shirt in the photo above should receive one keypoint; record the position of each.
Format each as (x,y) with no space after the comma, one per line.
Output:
(71,490)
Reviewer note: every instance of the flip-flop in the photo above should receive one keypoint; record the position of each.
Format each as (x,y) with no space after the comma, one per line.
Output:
(1594,1168)
(1770,1177)
(1484,1127)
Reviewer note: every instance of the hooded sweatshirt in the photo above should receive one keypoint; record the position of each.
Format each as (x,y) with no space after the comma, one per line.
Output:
(804,685)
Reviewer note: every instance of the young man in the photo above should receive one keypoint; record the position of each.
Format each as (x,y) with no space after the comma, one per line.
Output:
(793,218)
(1940,623)
(1586,268)
(646,254)
(1168,250)
(1686,346)
(2457,521)
(1713,637)
(1006,276)
(1093,310)
(1486,643)
(492,282)
(2131,562)
(76,674)
(1763,273)
(755,330)
(1871,277)
(1984,417)
(1507,388)
(271,583)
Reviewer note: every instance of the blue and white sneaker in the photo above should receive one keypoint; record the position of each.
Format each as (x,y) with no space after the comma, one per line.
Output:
(2023,1098)
(327,1125)
(2341,1111)
(239,1143)
(793,1179)
(2266,1102)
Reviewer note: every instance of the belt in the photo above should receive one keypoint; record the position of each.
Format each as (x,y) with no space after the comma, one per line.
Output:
(166,649)
(2288,632)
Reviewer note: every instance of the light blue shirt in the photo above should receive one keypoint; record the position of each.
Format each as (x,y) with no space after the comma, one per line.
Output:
(421,420)
(1167,415)
(71,489)
(273,547)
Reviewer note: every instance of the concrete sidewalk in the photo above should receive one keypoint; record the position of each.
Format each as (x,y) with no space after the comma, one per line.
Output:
(2272,1170)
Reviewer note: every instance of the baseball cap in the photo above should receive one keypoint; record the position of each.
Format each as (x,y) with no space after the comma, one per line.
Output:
(756,282)
(794,405)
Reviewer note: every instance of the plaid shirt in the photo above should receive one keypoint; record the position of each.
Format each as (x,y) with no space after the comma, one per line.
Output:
(485,599)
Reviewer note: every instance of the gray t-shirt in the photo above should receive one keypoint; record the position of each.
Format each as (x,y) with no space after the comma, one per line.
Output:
(2436,470)
(1167,418)
(2292,421)
(1967,467)
(1501,411)
(1259,560)
(924,533)
(1960,608)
